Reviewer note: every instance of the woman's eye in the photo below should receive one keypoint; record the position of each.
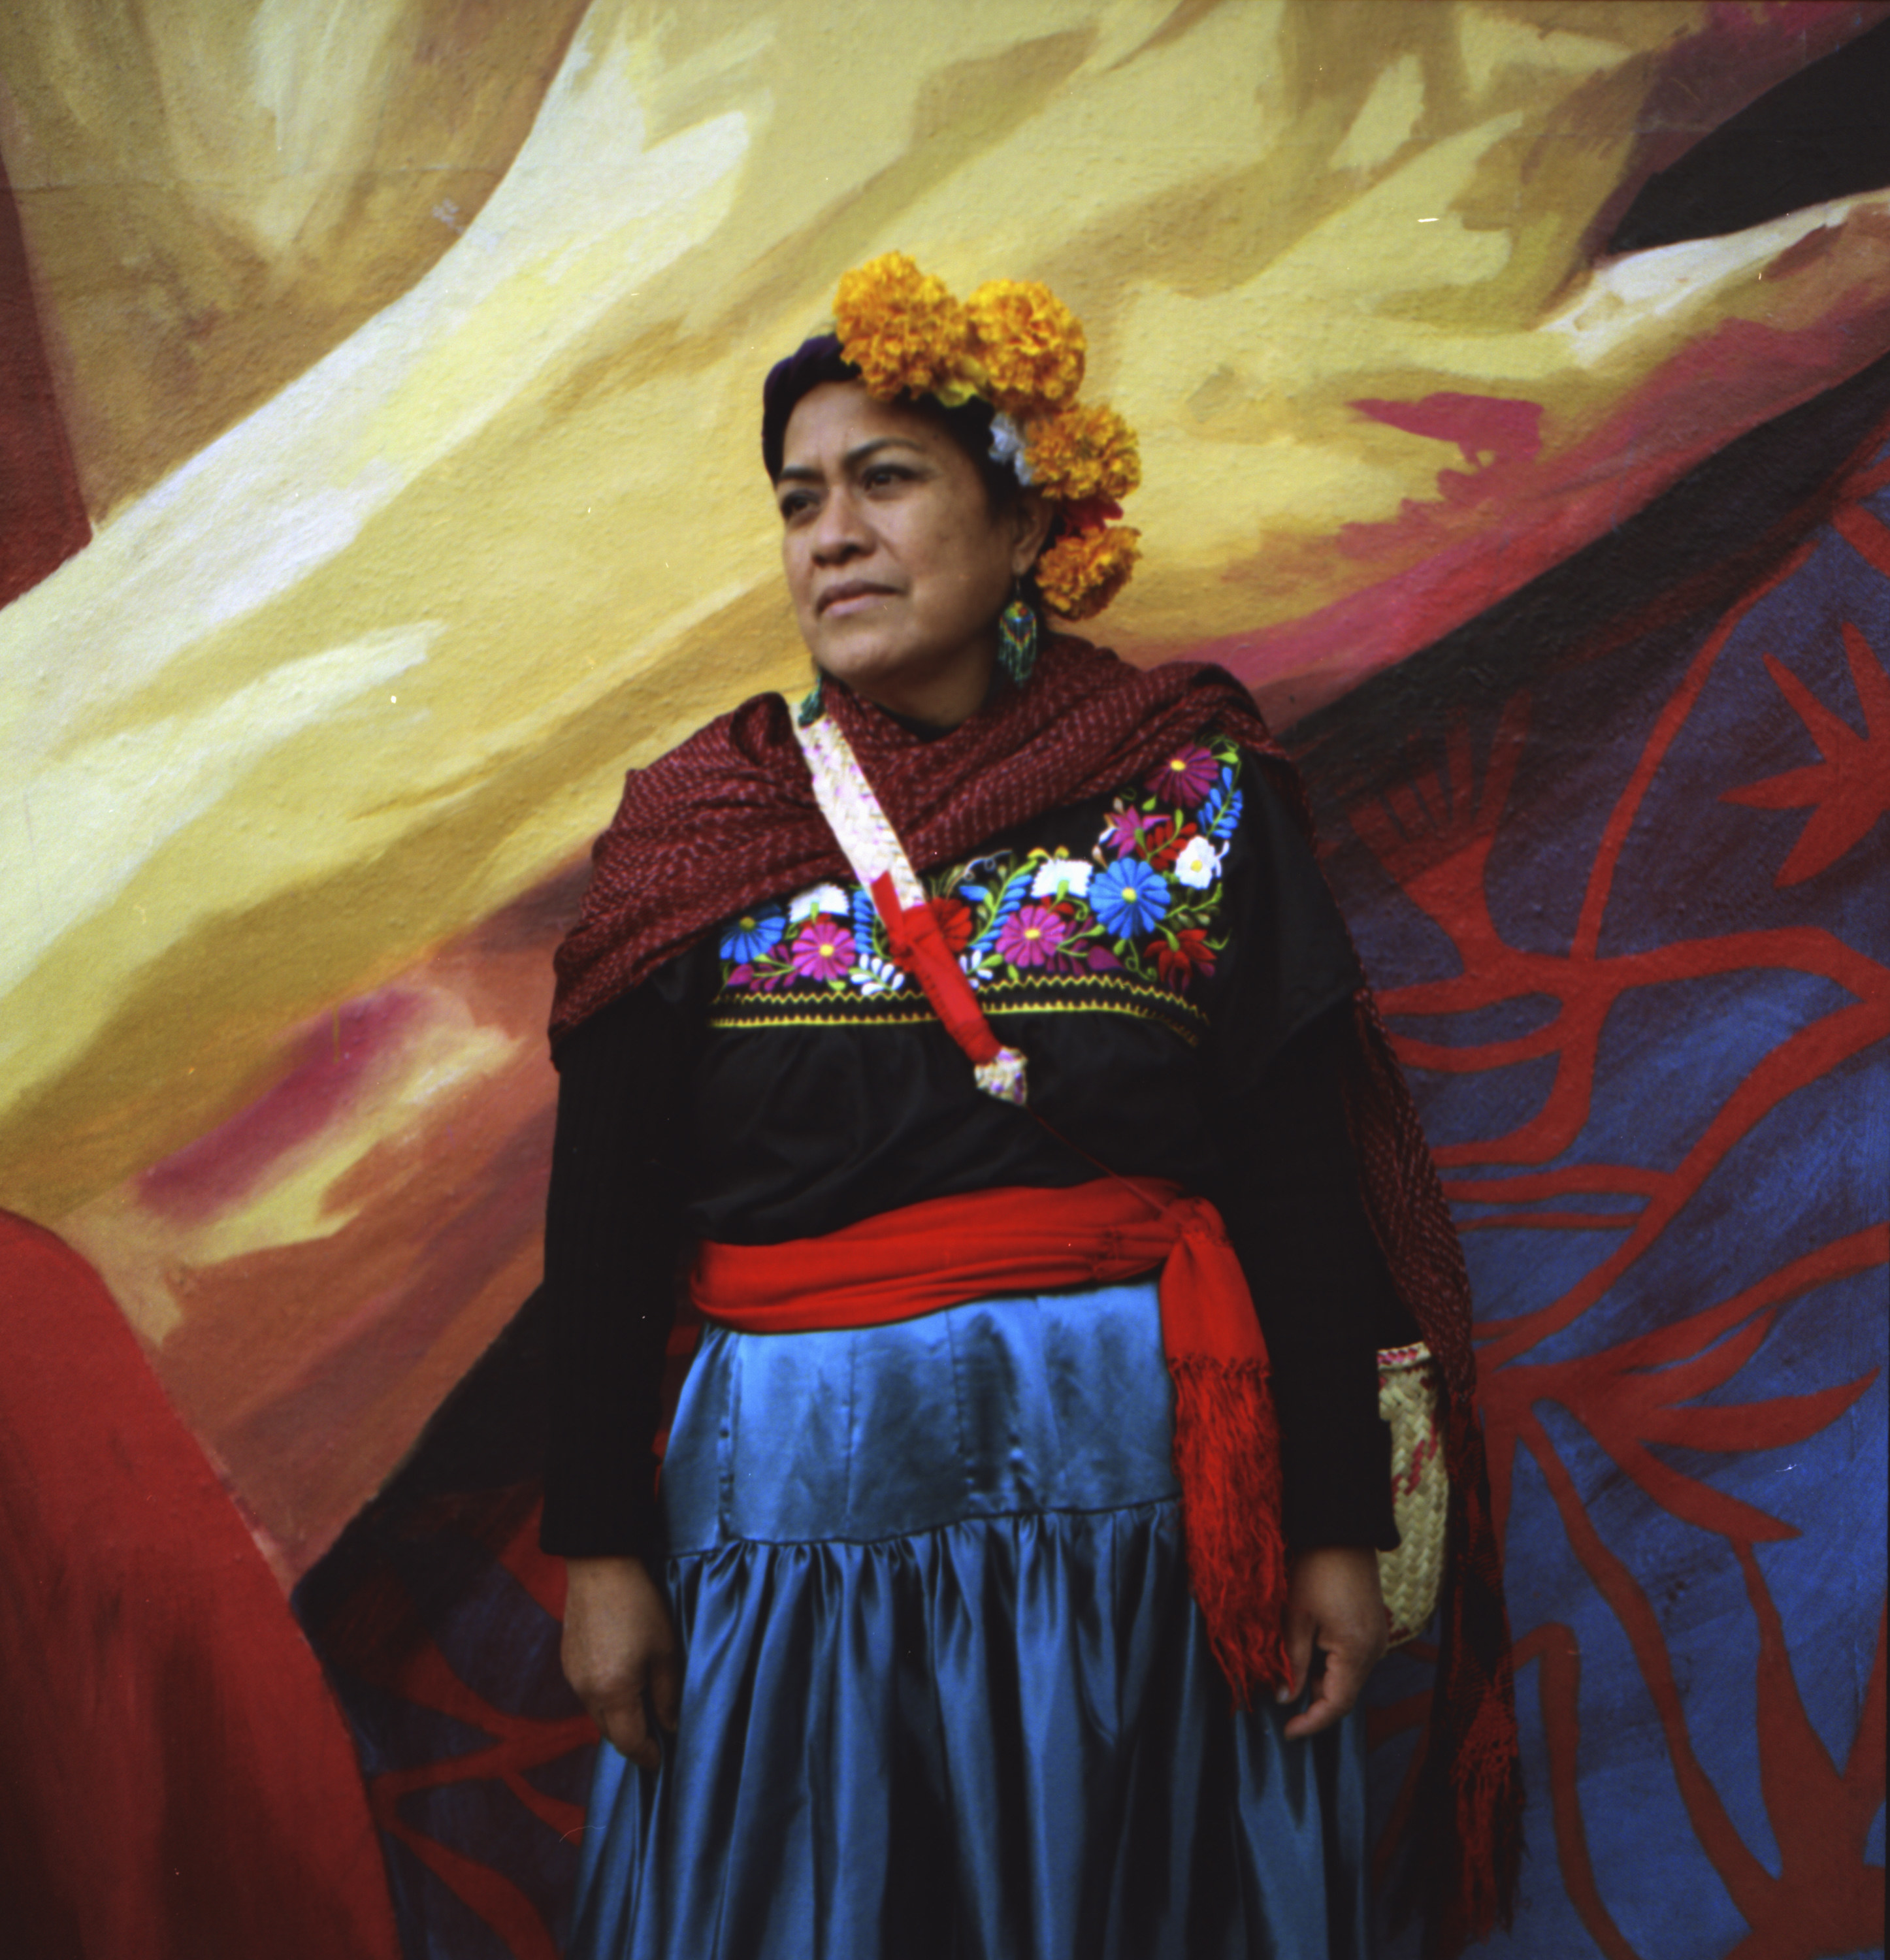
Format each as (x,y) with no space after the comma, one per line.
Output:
(883,473)
(797,503)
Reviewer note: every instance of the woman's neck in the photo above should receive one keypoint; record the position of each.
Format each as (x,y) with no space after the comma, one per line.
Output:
(939,700)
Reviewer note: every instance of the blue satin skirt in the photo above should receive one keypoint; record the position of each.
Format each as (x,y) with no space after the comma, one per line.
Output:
(945,1692)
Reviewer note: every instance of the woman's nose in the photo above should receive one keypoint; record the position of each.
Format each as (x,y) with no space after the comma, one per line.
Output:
(838,531)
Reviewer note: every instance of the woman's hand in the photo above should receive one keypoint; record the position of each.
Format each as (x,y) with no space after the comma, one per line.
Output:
(620,1653)
(1333,1603)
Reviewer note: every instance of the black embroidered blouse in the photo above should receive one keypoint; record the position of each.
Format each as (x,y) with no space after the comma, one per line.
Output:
(1171,962)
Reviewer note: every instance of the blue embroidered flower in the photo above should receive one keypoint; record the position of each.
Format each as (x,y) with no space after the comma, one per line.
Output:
(754,935)
(1129,898)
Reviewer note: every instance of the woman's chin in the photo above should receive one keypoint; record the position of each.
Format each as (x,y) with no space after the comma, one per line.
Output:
(866,667)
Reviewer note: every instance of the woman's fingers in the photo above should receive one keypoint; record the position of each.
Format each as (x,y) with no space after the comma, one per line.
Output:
(1333,1602)
(626,1728)
(620,1654)
(1341,1683)
(1301,1632)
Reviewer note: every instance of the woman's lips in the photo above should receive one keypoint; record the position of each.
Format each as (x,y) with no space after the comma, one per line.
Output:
(847,598)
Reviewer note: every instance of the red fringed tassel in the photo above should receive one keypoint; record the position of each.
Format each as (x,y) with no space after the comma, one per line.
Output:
(1227,1456)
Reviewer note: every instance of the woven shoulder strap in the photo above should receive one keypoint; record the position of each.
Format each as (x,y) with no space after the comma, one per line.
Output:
(872,847)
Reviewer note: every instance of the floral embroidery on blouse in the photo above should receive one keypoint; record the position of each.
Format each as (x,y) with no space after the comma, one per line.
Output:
(1145,906)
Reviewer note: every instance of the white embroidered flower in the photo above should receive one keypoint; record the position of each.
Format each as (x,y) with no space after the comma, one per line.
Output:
(976,968)
(1007,445)
(1062,877)
(872,976)
(1199,863)
(818,898)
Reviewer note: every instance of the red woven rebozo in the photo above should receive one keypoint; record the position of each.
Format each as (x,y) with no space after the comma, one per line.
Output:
(729,820)
(947,1250)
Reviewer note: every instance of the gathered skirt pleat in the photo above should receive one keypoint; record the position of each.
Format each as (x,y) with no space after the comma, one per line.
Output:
(945,1692)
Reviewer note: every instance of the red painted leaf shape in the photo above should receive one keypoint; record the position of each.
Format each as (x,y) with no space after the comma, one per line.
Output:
(1849,789)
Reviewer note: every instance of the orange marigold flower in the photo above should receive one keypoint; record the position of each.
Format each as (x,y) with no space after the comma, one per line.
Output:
(1029,343)
(1081,574)
(901,328)
(1084,453)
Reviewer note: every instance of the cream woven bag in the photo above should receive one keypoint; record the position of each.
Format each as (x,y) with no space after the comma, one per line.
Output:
(1410,1576)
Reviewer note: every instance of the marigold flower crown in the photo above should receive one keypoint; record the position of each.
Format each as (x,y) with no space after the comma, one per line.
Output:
(1015,345)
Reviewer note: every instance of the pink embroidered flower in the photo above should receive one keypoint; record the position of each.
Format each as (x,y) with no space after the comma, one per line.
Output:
(1123,828)
(823,950)
(1031,935)
(1185,777)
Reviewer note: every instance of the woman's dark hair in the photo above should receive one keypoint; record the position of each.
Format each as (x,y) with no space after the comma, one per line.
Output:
(819,360)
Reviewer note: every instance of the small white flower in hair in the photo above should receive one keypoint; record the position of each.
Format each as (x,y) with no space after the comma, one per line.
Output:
(1007,445)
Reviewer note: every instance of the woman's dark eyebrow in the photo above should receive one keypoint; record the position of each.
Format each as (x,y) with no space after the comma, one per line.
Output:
(794,472)
(854,457)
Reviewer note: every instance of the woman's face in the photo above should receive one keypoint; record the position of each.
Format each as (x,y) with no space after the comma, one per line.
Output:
(898,565)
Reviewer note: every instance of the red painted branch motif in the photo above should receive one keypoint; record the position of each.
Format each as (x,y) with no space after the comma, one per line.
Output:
(1643,1397)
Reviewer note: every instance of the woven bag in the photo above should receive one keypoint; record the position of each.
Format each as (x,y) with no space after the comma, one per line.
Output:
(1409,1577)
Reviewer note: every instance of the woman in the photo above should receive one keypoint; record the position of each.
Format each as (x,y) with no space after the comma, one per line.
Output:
(966,1603)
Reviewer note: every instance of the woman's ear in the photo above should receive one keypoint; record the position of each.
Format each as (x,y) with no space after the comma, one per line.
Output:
(1031,517)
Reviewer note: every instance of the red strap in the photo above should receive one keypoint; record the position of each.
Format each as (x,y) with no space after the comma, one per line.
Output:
(919,948)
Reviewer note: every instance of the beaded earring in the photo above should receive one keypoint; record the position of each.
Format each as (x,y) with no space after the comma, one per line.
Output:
(810,709)
(1017,640)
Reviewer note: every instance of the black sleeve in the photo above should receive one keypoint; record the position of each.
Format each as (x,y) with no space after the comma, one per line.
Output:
(613,1240)
(1326,1304)
(1282,1039)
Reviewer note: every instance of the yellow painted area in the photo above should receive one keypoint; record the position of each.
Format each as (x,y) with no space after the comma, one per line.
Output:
(412,354)
(1384,126)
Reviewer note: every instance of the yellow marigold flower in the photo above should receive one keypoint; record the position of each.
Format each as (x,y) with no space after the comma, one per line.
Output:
(901,328)
(1030,343)
(1084,452)
(1081,574)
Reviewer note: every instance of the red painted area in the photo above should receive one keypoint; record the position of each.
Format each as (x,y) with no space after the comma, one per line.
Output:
(178,1781)
(1849,791)
(222,1168)
(42,520)
(1440,564)
(520,1744)
(1481,425)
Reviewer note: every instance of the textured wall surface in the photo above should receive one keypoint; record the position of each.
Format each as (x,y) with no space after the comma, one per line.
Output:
(377,458)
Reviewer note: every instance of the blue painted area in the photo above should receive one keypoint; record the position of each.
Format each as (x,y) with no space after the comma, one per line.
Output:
(435,1923)
(1810,1170)
(471,1816)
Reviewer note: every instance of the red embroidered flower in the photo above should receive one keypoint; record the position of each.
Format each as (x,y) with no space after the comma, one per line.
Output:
(956,921)
(1172,846)
(1190,955)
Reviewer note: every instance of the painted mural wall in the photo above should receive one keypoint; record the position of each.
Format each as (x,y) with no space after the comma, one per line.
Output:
(379,480)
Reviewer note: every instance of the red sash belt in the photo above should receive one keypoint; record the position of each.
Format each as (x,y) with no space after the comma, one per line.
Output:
(949,1250)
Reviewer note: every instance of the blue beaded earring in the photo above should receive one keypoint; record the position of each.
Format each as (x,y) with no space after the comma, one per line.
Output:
(1017,640)
(810,710)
